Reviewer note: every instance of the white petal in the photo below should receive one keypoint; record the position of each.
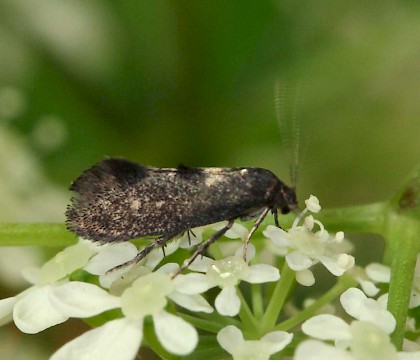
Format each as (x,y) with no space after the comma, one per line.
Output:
(154,258)
(117,339)
(317,350)
(201,264)
(169,268)
(382,301)
(370,342)
(262,273)
(227,302)
(368,287)
(313,204)
(79,299)
(191,240)
(278,236)
(250,252)
(31,274)
(34,312)
(192,283)
(332,265)
(106,280)
(111,256)
(229,338)
(326,327)
(352,301)
(237,231)
(175,334)
(305,277)
(414,300)
(191,302)
(65,262)
(372,312)
(298,261)
(414,355)
(119,285)
(276,341)
(378,272)
(6,309)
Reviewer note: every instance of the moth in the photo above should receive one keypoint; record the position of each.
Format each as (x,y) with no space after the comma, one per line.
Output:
(118,200)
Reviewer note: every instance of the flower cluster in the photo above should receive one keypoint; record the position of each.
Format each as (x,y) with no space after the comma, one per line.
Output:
(367,337)
(303,247)
(153,294)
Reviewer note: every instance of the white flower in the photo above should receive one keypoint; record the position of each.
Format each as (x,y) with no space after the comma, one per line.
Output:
(313,204)
(32,310)
(379,273)
(364,341)
(227,273)
(365,338)
(112,255)
(303,248)
(121,338)
(231,339)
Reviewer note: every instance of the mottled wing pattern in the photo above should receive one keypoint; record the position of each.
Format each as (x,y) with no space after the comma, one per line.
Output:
(118,200)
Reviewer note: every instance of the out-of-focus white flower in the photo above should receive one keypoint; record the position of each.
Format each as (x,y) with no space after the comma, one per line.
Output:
(231,339)
(303,248)
(378,273)
(227,273)
(32,310)
(121,338)
(365,338)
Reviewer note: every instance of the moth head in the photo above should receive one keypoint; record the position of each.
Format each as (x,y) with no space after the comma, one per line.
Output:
(286,199)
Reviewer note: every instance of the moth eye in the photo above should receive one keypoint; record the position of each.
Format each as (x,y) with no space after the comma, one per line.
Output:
(285,210)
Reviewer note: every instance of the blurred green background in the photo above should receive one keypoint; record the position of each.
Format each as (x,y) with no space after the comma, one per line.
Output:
(170,82)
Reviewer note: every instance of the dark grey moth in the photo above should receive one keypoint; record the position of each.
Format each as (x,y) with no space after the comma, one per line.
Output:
(118,200)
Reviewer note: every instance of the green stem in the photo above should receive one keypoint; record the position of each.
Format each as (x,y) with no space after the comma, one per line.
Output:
(277,299)
(208,325)
(363,218)
(404,244)
(344,282)
(35,234)
(257,300)
(245,314)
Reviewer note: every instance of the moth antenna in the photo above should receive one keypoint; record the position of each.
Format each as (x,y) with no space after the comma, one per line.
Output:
(288,102)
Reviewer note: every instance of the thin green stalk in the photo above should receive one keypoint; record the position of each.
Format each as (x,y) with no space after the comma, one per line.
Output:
(363,218)
(404,242)
(208,325)
(35,234)
(344,282)
(257,300)
(277,299)
(245,314)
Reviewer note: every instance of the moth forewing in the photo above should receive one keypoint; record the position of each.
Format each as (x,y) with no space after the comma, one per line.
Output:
(118,200)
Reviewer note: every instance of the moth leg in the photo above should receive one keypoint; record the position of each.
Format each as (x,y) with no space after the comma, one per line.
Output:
(255,227)
(203,247)
(276,218)
(160,241)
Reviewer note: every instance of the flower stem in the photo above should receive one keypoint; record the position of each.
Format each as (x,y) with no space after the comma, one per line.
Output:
(35,234)
(208,325)
(248,319)
(404,243)
(344,282)
(363,218)
(257,300)
(278,299)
